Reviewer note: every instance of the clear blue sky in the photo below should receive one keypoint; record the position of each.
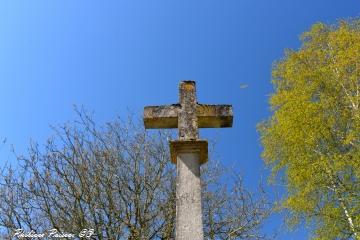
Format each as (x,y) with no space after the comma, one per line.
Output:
(112,55)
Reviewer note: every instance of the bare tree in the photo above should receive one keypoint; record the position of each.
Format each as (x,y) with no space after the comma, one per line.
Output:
(118,180)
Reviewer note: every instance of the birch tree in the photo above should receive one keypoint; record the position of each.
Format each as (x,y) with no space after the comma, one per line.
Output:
(312,139)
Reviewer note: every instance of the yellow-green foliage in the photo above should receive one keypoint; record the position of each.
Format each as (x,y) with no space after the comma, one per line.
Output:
(312,139)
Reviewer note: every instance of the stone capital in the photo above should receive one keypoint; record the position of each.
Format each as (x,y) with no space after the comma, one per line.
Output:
(189,146)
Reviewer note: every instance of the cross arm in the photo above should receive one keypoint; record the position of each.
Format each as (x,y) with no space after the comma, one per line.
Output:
(214,116)
(165,116)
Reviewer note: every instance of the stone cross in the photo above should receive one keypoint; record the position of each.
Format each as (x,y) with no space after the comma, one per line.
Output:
(188,153)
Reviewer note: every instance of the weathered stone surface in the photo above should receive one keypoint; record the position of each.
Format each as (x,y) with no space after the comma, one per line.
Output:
(188,116)
(214,116)
(161,116)
(188,125)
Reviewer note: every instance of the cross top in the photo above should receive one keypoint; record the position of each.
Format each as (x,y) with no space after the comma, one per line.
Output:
(188,115)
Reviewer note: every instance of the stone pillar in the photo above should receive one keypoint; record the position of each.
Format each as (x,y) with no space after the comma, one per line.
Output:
(188,197)
(188,156)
